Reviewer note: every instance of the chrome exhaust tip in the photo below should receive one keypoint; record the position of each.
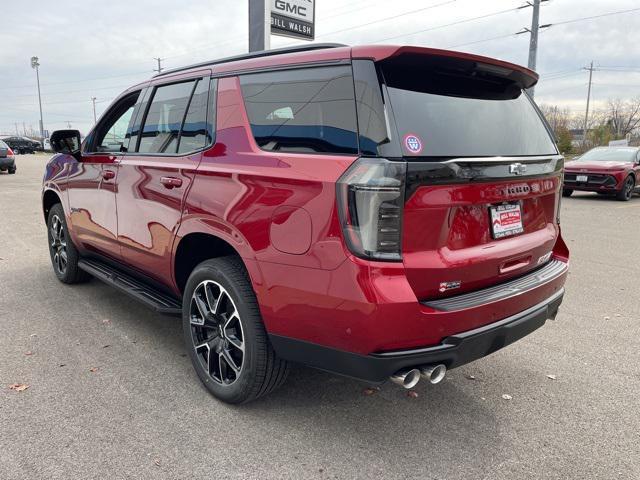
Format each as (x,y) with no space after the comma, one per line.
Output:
(406,378)
(433,373)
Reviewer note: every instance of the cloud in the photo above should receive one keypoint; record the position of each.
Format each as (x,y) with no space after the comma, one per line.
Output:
(97,49)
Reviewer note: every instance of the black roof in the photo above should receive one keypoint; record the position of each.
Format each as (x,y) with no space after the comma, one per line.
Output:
(261,53)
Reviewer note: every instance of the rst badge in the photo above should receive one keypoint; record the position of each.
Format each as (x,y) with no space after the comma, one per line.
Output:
(446,286)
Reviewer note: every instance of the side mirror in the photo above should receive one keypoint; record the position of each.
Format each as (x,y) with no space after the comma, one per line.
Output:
(66,141)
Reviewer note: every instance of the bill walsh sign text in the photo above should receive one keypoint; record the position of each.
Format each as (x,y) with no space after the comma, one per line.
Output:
(293,18)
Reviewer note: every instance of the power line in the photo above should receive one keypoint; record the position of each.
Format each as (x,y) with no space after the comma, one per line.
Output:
(596,16)
(459,22)
(574,20)
(76,81)
(390,18)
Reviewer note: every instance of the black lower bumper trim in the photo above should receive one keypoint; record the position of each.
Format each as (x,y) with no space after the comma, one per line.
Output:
(454,351)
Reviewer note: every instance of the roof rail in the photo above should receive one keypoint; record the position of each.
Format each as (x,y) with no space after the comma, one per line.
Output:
(261,53)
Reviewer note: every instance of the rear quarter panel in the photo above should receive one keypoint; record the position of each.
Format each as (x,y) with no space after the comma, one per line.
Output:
(251,197)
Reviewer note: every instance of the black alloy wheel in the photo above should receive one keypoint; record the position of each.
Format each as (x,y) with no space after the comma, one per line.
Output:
(216,332)
(626,192)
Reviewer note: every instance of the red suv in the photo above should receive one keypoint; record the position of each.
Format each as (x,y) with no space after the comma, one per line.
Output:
(374,211)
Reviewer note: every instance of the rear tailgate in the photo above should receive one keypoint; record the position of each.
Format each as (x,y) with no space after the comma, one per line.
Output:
(451,243)
(483,176)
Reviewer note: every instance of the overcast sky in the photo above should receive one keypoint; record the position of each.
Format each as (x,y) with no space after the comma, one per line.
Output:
(96,49)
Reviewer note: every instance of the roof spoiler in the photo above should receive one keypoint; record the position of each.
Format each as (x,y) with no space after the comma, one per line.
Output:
(472,64)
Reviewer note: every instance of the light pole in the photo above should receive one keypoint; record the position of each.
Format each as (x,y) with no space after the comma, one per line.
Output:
(35,65)
(93,100)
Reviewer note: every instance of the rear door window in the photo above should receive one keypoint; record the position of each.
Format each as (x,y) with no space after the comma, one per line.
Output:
(308,110)
(163,121)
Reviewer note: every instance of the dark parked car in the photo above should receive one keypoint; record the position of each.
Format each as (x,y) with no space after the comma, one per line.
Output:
(22,145)
(605,170)
(376,211)
(7,158)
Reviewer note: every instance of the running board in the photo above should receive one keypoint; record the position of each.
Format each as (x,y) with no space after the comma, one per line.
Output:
(150,296)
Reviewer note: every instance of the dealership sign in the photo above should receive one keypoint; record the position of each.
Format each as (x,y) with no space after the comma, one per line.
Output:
(293,18)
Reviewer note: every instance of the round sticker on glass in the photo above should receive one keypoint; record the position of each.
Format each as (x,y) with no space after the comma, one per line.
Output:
(413,143)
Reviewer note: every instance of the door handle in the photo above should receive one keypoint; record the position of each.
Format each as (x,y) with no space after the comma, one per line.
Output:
(108,174)
(171,182)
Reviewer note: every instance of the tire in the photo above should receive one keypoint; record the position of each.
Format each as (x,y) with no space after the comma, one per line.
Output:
(12,171)
(626,192)
(64,254)
(222,325)
(567,192)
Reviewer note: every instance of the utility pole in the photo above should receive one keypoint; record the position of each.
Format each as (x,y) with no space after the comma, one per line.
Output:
(93,100)
(586,113)
(159,69)
(68,124)
(35,65)
(533,39)
(17,133)
(259,25)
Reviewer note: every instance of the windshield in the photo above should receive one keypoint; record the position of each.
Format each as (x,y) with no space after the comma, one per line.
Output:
(609,155)
(436,119)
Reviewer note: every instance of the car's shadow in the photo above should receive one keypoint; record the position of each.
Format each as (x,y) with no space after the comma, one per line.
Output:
(312,402)
(593,197)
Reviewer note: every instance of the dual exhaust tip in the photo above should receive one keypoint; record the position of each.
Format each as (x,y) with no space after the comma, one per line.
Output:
(408,378)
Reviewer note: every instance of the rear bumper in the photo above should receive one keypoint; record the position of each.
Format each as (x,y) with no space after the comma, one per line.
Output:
(6,163)
(453,351)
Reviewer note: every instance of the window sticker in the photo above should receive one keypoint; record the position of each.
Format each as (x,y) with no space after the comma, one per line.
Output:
(413,143)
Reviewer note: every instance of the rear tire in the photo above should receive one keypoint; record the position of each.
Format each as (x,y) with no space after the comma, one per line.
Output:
(567,192)
(224,334)
(12,171)
(64,254)
(626,192)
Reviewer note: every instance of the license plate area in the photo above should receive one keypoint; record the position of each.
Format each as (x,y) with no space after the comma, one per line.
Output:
(582,178)
(506,220)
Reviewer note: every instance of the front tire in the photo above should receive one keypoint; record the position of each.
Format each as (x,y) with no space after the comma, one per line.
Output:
(64,254)
(224,333)
(567,192)
(626,192)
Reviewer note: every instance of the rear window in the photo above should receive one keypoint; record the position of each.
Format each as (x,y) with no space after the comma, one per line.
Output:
(449,115)
(307,111)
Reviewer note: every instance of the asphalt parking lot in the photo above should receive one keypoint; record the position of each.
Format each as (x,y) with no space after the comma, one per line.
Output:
(112,394)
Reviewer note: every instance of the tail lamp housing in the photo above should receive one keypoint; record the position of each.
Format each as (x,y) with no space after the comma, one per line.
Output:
(370,197)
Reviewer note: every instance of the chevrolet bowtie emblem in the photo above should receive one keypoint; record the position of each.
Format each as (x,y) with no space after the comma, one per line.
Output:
(517,168)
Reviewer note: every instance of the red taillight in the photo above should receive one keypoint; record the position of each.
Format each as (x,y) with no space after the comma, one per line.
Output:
(9,153)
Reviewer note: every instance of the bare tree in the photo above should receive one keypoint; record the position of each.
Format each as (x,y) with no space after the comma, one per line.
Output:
(558,118)
(623,117)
